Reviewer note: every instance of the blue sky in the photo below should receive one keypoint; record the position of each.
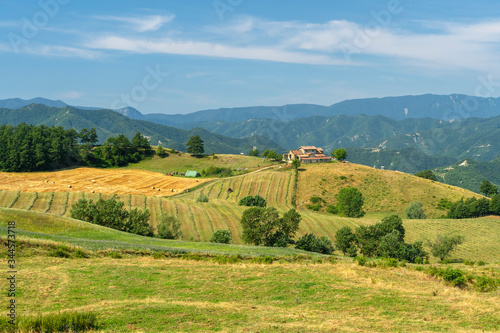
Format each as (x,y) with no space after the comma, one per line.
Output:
(184,56)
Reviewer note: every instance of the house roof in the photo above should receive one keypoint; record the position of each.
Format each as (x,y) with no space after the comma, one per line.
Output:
(308,147)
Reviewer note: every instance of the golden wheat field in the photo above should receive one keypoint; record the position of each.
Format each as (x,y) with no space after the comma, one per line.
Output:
(110,181)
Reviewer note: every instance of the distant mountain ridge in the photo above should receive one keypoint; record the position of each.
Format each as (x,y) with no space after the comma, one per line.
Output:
(442,107)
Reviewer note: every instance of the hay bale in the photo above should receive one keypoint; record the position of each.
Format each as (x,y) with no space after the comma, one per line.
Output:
(158,189)
(69,186)
(153,187)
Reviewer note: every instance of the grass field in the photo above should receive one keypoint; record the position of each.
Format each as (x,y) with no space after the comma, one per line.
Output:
(182,162)
(174,295)
(199,220)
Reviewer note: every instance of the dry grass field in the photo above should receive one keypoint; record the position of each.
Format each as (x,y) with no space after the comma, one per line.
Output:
(112,181)
(383,190)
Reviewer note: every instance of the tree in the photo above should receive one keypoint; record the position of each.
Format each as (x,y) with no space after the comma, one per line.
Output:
(254,153)
(427,174)
(221,236)
(344,239)
(195,146)
(169,227)
(443,245)
(495,204)
(415,211)
(138,223)
(340,154)
(161,152)
(263,226)
(350,202)
(488,188)
(296,163)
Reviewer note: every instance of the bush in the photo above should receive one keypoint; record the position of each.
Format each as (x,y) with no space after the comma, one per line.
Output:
(70,321)
(59,252)
(312,243)
(415,211)
(169,227)
(469,263)
(202,198)
(253,201)
(481,263)
(419,261)
(332,209)
(485,284)
(316,200)
(161,152)
(315,207)
(454,276)
(426,174)
(221,236)
(217,171)
(361,261)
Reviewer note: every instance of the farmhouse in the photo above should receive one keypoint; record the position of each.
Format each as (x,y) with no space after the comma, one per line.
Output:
(307,154)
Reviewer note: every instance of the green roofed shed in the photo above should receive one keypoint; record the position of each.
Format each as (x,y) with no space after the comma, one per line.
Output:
(191,173)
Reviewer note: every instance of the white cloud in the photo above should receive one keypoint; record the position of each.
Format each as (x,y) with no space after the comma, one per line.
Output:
(140,24)
(170,46)
(63,51)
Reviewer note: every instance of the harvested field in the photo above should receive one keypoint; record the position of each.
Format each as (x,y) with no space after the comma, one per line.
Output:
(119,181)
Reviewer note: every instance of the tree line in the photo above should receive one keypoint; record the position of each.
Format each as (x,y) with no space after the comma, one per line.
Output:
(40,148)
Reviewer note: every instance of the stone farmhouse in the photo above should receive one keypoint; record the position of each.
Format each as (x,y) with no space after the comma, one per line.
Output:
(307,154)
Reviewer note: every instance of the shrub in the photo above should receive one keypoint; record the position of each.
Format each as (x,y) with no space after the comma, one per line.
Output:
(70,321)
(415,211)
(316,200)
(426,174)
(454,276)
(202,198)
(332,209)
(485,284)
(312,243)
(80,254)
(481,263)
(161,152)
(361,261)
(59,252)
(419,261)
(217,171)
(469,263)
(315,207)
(253,201)
(169,227)
(114,254)
(221,236)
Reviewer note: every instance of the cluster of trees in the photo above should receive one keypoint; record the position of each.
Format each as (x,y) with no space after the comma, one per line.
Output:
(253,201)
(37,148)
(111,213)
(119,151)
(427,174)
(472,207)
(384,239)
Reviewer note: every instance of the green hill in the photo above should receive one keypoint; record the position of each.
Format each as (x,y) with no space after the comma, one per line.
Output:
(110,123)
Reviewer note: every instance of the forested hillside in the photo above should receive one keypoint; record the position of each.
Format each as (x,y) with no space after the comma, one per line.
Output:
(109,123)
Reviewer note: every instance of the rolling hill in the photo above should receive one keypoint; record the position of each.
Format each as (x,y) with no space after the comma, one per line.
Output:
(385,192)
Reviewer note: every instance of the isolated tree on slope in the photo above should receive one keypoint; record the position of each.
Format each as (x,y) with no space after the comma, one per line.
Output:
(340,154)
(195,146)
(415,211)
(488,188)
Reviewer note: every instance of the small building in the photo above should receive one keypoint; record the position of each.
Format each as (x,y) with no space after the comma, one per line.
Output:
(307,154)
(191,173)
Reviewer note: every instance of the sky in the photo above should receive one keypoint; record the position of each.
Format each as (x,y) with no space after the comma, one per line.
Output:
(183,56)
